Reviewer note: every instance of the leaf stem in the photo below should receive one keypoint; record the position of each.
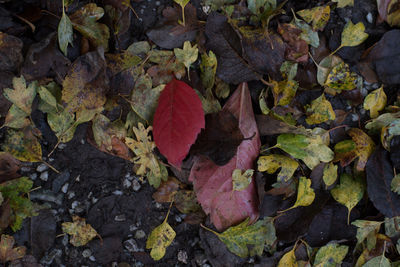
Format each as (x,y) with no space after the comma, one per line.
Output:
(210,230)
(337,49)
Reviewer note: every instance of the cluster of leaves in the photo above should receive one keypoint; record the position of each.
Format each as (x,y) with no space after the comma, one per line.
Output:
(318,167)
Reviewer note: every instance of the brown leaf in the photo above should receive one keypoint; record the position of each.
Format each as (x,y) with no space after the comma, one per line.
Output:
(297,48)
(9,166)
(167,189)
(10,52)
(7,252)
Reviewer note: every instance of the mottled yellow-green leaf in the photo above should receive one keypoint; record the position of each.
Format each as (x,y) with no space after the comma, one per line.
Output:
(65,33)
(222,89)
(325,66)
(353,34)
(380,261)
(122,61)
(364,146)
(159,239)
(395,184)
(208,68)
(48,98)
(321,111)
(23,145)
(63,125)
(241,180)
(21,96)
(188,55)
(288,260)
(344,3)
(340,78)
(345,152)
(308,35)
(271,163)
(16,118)
(143,148)
(319,16)
(305,194)
(388,132)
(330,174)
(81,232)
(375,102)
(367,230)
(349,192)
(375,126)
(311,149)
(284,91)
(330,255)
(7,250)
(248,240)
(289,69)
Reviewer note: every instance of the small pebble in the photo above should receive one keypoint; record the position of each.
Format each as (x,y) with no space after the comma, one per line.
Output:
(131,245)
(132,227)
(118,193)
(120,218)
(86,253)
(94,200)
(126,183)
(71,195)
(74,204)
(178,218)
(41,168)
(158,205)
(136,185)
(354,117)
(25,169)
(33,176)
(49,258)
(92,258)
(65,240)
(61,146)
(140,234)
(64,189)
(44,176)
(182,256)
(158,3)
(369,17)
(82,141)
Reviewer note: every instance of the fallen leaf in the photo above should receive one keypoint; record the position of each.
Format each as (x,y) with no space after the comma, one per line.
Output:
(395,184)
(321,111)
(271,163)
(344,3)
(331,254)
(340,78)
(213,183)
(7,250)
(21,96)
(159,239)
(145,157)
(375,126)
(379,171)
(305,194)
(380,261)
(23,145)
(311,150)
(296,48)
(178,119)
(65,33)
(289,259)
(268,125)
(352,35)
(81,232)
(349,192)
(85,20)
(220,137)
(325,66)
(375,102)
(364,146)
(388,132)
(167,190)
(11,52)
(345,152)
(186,202)
(367,230)
(188,55)
(308,35)
(9,167)
(208,68)
(239,238)
(241,180)
(284,91)
(319,16)
(330,174)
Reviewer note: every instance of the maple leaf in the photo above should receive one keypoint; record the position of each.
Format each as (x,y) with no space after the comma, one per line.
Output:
(143,149)
(22,96)
(213,184)
(7,252)
(178,119)
(81,232)
(188,55)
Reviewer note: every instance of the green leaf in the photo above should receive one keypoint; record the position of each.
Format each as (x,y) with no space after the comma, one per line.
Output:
(188,55)
(308,35)
(395,185)
(63,125)
(182,3)
(319,16)
(23,145)
(239,238)
(380,261)
(65,33)
(349,192)
(353,34)
(330,255)
(241,180)
(311,150)
(330,174)
(367,230)
(21,96)
(321,111)
(16,118)
(208,68)
(388,132)
(271,163)
(383,120)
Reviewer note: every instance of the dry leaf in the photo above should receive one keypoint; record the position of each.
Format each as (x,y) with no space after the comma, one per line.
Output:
(81,232)
(7,252)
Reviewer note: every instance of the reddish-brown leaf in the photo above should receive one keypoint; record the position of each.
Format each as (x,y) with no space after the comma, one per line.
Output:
(213,183)
(177,121)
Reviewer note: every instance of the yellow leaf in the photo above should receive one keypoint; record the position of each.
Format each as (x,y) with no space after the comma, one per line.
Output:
(21,96)
(340,78)
(143,148)
(349,192)
(353,34)
(208,69)
(322,111)
(319,16)
(364,146)
(305,194)
(241,180)
(330,174)
(23,145)
(271,163)
(375,102)
(344,3)
(159,239)
(288,260)
(393,13)
(284,91)
(81,232)
(7,252)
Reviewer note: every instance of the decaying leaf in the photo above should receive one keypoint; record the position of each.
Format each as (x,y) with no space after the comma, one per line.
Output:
(159,239)
(330,174)
(148,161)
(305,194)
(367,230)
(312,150)
(271,163)
(364,147)
(319,16)
(208,69)
(344,3)
(65,32)
(349,192)
(9,167)
(81,232)
(241,180)
(167,190)
(186,201)
(388,132)
(289,259)
(23,145)
(188,55)
(331,254)
(395,184)
(7,250)
(321,111)
(284,91)
(239,238)
(375,102)
(353,35)
(380,261)
(340,78)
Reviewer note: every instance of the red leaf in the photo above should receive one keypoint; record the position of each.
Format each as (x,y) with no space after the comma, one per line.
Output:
(213,183)
(177,122)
